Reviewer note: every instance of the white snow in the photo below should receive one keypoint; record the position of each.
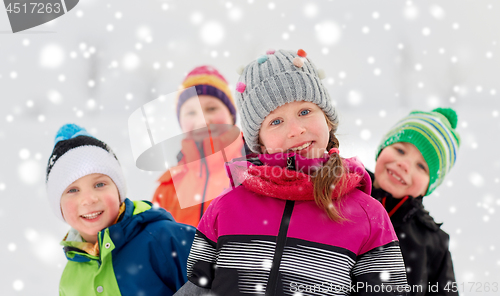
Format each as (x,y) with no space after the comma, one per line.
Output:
(212,33)
(18,285)
(30,172)
(130,61)
(328,32)
(52,56)
(437,12)
(476,179)
(24,154)
(310,10)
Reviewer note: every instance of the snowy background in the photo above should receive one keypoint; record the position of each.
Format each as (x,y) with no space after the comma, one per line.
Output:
(103,60)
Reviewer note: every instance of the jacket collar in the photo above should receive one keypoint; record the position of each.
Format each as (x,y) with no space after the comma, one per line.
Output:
(192,151)
(412,206)
(75,240)
(131,217)
(268,174)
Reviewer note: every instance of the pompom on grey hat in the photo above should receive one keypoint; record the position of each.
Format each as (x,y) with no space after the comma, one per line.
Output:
(274,79)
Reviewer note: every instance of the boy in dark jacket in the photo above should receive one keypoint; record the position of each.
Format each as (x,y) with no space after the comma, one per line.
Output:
(412,160)
(115,246)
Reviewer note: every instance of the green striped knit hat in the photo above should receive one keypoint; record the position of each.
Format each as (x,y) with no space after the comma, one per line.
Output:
(434,135)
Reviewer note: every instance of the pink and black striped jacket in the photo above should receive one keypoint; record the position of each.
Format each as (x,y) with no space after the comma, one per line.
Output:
(268,237)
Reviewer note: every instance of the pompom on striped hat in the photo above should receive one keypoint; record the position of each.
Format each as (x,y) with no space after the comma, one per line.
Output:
(77,154)
(207,81)
(434,135)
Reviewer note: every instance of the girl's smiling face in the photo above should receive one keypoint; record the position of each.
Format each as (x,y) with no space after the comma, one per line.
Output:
(298,126)
(90,204)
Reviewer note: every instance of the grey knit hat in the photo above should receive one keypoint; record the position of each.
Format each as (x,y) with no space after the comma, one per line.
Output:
(274,79)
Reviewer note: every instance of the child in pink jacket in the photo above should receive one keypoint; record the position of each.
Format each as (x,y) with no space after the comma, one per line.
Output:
(299,219)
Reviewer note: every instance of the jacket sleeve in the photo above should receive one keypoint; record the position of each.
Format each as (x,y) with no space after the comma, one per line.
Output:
(380,271)
(172,253)
(442,273)
(379,267)
(203,256)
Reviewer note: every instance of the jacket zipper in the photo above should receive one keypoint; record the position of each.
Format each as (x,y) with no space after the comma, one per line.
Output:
(100,237)
(204,189)
(203,160)
(272,282)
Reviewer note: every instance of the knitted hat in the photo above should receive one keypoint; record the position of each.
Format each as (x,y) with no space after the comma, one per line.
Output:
(207,81)
(77,154)
(274,79)
(434,135)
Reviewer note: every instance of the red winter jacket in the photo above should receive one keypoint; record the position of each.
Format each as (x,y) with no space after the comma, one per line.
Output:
(187,189)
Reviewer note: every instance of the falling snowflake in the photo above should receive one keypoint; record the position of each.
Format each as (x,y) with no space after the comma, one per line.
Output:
(18,285)
(203,281)
(437,12)
(328,32)
(385,276)
(476,179)
(196,17)
(310,10)
(212,33)
(410,12)
(11,247)
(365,134)
(30,172)
(267,264)
(235,14)
(355,98)
(52,56)
(24,154)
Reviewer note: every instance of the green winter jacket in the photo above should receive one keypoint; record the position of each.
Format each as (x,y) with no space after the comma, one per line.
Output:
(144,253)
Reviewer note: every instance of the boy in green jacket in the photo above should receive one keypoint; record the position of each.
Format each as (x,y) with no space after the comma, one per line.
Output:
(115,246)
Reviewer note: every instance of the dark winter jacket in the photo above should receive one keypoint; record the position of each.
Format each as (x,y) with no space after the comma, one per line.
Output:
(268,237)
(144,253)
(423,244)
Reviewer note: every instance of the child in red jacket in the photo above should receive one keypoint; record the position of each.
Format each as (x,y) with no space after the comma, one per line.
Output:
(187,189)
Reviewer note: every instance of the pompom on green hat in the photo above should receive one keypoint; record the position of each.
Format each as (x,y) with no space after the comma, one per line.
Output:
(434,135)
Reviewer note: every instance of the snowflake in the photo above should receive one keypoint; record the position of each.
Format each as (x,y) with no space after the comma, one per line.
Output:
(18,285)
(203,281)
(385,276)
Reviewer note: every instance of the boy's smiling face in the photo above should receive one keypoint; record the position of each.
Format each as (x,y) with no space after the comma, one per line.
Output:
(401,170)
(90,204)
